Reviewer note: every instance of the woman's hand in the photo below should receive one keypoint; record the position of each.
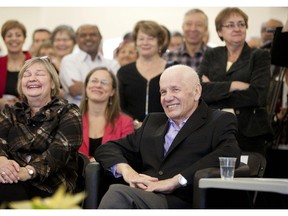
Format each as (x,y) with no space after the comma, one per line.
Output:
(238,86)
(9,171)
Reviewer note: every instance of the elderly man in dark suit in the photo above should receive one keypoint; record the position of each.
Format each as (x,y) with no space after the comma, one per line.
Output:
(159,160)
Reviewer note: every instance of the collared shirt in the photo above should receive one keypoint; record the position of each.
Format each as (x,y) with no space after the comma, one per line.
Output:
(76,66)
(171,134)
(182,56)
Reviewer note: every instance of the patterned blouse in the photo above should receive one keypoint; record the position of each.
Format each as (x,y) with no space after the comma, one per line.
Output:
(48,141)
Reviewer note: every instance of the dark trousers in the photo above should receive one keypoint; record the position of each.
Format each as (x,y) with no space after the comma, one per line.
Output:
(20,191)
(121,196)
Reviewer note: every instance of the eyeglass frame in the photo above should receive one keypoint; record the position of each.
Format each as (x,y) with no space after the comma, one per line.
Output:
(268,30)
(103,82)
(232,25)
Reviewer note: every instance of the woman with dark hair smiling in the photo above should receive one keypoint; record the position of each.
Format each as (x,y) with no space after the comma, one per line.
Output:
(14,35)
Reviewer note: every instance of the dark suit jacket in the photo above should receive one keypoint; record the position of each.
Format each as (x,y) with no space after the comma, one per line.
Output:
(206,135)
(253,67)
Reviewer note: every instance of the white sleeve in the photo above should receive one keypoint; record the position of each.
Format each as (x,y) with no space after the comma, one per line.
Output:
(69,70)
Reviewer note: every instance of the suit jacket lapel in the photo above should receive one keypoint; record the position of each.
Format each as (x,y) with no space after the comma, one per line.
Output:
(244,57)
(160,139)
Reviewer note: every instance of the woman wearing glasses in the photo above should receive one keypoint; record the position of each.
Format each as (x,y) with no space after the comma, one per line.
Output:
(39,137)
(236,78)
(100,108)
(14,35)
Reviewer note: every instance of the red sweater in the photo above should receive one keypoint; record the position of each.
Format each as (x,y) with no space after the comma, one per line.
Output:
(123,127)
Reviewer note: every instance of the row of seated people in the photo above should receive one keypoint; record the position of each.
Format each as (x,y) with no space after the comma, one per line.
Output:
(41,134)
(100,86)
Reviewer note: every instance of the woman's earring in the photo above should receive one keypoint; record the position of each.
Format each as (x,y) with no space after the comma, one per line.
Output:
(110,101)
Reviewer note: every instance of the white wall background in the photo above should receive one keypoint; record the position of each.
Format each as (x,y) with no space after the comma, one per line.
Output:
(114,22)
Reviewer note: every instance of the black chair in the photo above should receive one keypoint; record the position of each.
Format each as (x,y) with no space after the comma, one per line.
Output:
(209,198)
(96,180)
(83,161)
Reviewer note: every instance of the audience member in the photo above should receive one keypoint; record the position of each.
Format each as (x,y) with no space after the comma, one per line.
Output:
(14,35)
(176,40)
(195,27)
(100,107)
(63,40)
(75,66)
(236,77)
(39,36)
(128,36)
(139,81)
(267,32)
(46,49)
(126,52)
(158,161)
(39,137)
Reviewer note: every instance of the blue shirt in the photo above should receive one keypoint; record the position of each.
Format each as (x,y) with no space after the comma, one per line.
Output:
(171,134)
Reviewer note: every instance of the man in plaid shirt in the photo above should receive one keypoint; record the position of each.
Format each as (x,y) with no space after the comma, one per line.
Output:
(191,52)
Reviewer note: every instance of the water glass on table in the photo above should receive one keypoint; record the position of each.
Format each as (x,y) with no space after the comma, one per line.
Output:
(227,167)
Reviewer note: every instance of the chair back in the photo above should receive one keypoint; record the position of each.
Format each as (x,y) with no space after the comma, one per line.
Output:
(83,160)
(206,198)
(256,163)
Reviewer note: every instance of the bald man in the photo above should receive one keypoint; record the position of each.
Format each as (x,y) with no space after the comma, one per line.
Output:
(159,160)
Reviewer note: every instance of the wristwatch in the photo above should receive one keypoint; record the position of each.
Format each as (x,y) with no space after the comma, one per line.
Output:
(182,181)
(30,172)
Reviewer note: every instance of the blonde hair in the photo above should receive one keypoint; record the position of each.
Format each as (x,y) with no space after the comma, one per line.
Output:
(50,69)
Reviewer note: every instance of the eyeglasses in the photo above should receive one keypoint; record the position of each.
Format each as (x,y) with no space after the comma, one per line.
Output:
(45,58)
(269,30)
(240,25)
(102,82)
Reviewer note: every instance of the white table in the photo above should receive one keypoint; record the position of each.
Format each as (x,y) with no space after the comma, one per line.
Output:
(252,184)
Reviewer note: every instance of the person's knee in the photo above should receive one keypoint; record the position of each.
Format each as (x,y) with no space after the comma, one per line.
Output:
(114,197)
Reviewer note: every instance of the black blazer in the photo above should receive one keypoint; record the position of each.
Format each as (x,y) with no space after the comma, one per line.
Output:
(253,66)
(207,135)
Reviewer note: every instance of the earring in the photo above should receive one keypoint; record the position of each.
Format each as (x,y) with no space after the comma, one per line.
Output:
(110,101)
